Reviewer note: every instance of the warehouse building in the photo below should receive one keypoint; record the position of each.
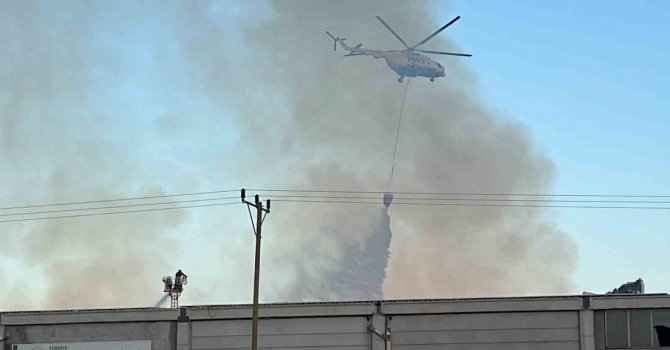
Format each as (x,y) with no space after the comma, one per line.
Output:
(583,322)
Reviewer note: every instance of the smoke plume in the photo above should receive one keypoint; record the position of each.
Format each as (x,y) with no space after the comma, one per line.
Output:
(331,121)
(238,93)
(56,145)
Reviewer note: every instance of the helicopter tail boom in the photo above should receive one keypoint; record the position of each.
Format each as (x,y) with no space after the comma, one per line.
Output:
(357,50)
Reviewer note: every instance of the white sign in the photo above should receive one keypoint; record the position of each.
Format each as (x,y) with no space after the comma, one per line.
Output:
(107,345)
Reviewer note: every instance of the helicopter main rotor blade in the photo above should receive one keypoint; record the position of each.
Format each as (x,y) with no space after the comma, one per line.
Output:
(392,31)
(437,32)
(446,53)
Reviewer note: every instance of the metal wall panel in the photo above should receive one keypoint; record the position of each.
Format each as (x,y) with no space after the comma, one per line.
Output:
(517,330)
(158,332)
(493,346)
(322,333)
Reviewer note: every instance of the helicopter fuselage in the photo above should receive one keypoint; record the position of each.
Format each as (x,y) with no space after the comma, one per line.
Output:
(404,63)
(410,64)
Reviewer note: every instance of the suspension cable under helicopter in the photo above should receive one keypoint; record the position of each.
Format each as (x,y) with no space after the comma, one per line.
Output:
(397,135)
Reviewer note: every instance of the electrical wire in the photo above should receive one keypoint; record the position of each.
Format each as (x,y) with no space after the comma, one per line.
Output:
(474,204)
(115,206)
(339,192)
(117,199)
(351,197)
(462,193)
(271,196)
(118,212)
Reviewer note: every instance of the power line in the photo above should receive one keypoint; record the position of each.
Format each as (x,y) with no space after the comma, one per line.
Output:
(338,192)
(117,199)
(473,199)
(474,204)
(332,200)
(118,212)
(358,197)
(465,193)
(115,206)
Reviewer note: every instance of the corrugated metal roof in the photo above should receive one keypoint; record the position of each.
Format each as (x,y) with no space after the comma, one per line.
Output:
(342,303)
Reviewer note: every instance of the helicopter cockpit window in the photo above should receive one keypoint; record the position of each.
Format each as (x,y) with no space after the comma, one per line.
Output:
(439,65)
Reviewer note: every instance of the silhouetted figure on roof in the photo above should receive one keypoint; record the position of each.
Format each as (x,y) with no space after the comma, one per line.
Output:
(663,334)
(181,274)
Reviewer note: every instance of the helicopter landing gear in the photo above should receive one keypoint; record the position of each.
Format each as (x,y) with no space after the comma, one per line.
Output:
(432,80)
(400,78)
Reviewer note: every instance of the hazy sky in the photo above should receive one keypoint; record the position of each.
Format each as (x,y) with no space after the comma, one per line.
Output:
(133,111)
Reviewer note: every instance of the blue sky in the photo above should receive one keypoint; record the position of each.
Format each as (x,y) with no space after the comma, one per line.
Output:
(590,80)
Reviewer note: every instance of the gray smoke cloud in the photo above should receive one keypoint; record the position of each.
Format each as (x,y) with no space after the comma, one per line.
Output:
(57,146)
(331,121)
(304,117)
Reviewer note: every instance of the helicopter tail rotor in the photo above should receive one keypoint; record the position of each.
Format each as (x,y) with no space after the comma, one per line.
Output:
(335,40)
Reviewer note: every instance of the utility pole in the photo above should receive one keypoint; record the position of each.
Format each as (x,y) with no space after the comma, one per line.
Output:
(260,217)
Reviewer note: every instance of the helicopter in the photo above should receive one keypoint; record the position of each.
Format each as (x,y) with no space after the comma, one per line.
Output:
(408,62)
